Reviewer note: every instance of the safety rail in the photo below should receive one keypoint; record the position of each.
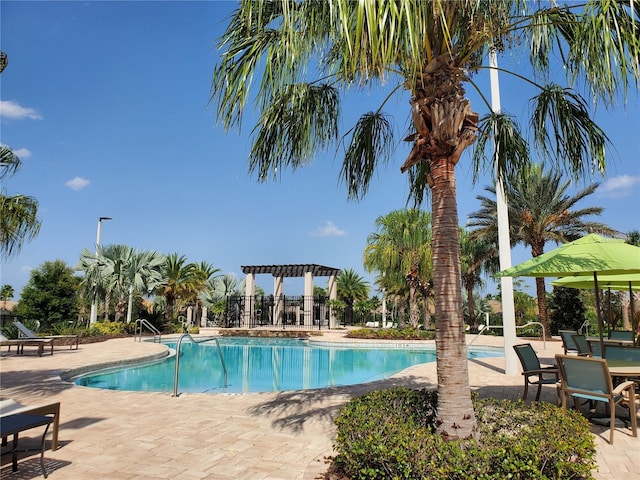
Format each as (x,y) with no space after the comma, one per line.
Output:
(179,344)
(144,323)
(485,328)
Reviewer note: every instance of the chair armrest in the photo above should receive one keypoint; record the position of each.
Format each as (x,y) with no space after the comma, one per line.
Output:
(542,371)
(629,384)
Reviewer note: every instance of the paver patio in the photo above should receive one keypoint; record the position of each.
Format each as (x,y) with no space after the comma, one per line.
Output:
(277,436)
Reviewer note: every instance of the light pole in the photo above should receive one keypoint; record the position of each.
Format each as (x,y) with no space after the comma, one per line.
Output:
(94,307)
(504,243)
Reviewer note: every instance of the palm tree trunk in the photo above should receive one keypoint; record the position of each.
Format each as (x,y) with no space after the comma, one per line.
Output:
(543,314)
(414,309)
(455,410)
(473,319)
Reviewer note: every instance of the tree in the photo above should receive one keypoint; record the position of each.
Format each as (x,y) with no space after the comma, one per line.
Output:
(6,292)
(351,287)
(50,296)
(540,211)
(567,309)
(119,271)
(295,58)
(176,284)
(19,221)
(477,256)
(401,245)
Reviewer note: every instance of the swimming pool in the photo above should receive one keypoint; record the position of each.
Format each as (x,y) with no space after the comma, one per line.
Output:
(265,365)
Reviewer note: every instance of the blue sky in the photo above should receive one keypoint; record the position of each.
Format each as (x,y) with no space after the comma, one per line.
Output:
(106,103)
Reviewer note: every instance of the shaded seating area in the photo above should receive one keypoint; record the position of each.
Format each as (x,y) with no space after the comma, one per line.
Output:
(20,343)
(70,340)
(534,373)
(589,379)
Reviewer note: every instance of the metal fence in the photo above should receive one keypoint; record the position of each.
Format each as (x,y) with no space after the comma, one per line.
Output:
(286,312)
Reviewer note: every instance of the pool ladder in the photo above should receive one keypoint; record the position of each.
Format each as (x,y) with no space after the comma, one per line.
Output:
(143,323)
(179,344)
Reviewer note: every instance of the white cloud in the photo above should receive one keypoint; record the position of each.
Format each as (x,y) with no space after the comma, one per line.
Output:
(77,183)
(15,111)
(22,152)
(618,187)
(329,230)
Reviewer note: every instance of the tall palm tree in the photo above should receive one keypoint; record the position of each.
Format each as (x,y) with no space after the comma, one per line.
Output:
(19,221)
(351,287)
(478,256)
(540,210)
(401,244)
(294,58)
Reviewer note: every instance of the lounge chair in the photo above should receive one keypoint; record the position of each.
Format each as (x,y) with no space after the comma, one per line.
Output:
(70,340)
(581,344)
(567,341)
(11,407)
(531,368)
(20,343)
(589,379)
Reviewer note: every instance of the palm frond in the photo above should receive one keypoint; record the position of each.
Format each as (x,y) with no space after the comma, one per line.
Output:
(605,47)
(563,130)
(510,149)
(302,119)
(372,142)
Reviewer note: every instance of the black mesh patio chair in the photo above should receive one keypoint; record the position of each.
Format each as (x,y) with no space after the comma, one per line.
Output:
(533,372)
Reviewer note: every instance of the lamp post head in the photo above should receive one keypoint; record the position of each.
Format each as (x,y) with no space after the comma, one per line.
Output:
(104,218)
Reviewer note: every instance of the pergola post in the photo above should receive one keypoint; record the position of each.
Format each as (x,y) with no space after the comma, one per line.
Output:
(307,303)
(277,299)
(333,295)
(249,292)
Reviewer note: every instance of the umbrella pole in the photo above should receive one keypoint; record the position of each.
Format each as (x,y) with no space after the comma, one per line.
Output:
(634,323)
(600,325)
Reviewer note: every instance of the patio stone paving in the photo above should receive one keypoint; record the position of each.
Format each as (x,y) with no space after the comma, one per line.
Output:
(277,436)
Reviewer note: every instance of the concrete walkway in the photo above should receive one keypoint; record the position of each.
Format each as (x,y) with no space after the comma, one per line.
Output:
(277,436)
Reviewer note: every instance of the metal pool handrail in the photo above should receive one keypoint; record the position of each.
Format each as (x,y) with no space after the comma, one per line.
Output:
(175,376)
(487,327)
(137,333)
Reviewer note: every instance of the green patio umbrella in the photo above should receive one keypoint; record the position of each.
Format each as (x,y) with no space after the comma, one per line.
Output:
(630,281)
(591,255)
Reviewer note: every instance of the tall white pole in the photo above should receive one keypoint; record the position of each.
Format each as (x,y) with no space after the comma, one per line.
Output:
(504,244)
(94,306)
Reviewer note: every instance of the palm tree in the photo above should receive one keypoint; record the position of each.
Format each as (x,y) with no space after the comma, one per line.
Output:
(402,245)
(19,221)
(478,255)
(203,273)
(144,274)
(294,59)
(351,288)
(540,211)
(176,284)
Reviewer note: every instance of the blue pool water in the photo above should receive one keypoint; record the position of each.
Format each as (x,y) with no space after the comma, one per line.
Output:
(264,365)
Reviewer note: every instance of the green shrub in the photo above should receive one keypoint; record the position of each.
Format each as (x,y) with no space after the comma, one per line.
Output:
(392,334)
(107,328)
(390,434)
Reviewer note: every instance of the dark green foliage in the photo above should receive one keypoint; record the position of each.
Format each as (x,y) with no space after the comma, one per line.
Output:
(390,434)
(567,309)
(50,296)
(393,334)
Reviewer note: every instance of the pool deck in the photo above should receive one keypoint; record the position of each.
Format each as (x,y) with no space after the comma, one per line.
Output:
(277,436)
